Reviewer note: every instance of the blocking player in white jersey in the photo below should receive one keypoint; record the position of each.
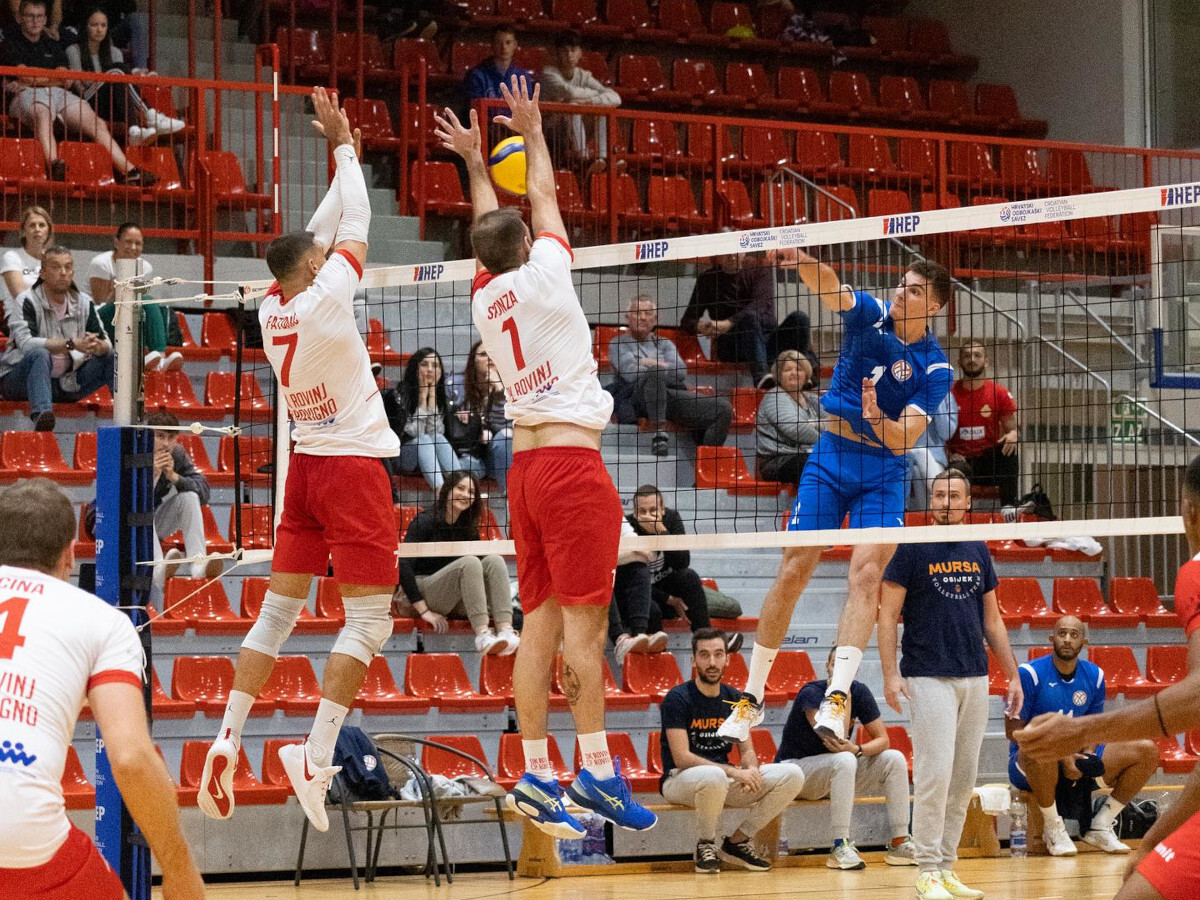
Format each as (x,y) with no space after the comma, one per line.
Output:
(60,646)
(337,500)
(565,513)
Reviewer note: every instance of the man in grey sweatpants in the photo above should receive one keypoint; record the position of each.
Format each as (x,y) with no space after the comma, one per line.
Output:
(946,593)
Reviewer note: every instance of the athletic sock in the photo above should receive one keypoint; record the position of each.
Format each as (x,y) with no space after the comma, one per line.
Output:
(761,660)
(326,725)
(593,749)
(537,759)
(1107,814)
(236,711)
(1050,813)
(845,667)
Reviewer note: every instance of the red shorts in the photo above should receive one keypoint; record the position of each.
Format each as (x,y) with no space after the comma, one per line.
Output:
(339,507)
(76,870)
(565,518)
(1173,867)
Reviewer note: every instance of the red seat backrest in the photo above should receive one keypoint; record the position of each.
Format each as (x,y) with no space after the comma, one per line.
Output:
(409,50)
(696,76)
(496,675)
(971,159)
(436,675)
(870,151)
(466,55)
(31,451)
(1118,663)
(748,80)
(792,670)
(1133,595)
(765,146)
(651,136)
(211,601)
(160,161)
(292,678)
(1073,596)
(371,116)
(670,196)
(839,201)
(201,677)
(626,200)
(1167,663)
(628,14)
(254,452)
(573,12)
(87,163)
(303,46)
(650,673)
(1017,596)
(85,451)
(901,92)
(818,150)
(851,88)
(680,16)
(437,761)
(21,159)
(996,100)
(887,203)
(800,84)
(639,73)
(724,16)
(949,97)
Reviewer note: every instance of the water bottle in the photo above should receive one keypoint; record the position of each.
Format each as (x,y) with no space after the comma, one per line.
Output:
(570,852)
(782,850)
(1017,847)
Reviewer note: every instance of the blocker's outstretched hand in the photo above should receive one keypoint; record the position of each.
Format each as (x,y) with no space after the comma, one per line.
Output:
(525,116)
(456,137)
(331,119)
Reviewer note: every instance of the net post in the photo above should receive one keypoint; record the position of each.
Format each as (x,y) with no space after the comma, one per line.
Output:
(127,342)
(124,532)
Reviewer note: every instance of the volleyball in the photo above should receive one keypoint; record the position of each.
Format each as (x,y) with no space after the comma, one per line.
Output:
(507,162)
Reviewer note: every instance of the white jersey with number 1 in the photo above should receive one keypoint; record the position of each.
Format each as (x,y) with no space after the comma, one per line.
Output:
(56,643)
(535,332)
(323,366)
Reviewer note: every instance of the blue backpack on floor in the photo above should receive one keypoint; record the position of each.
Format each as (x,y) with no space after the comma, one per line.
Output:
(363,776)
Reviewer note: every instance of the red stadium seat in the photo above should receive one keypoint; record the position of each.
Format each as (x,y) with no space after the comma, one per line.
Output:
(1167,664)
(997,680)
(206,681)
(650,674)
(871,157)
(902,96)
(1022,602)
(380,694)
(626,203)
(378,347)
(22,164)
(570,199)
(228,183)
(293,686)
(654,752)
(574,13)
(737,674)
(734,207)
(443,190)
(641,78)
(972,164)
(247,788)
(77,791)
(253,591)
(891,40)
(620,747)
(951,99)
(697,80)
(998,101)
(437,761)
(172,391)
(256,526)
(466,55)
(614,697)
(1021,169)
(1081,597)
(803,86)
(511,763)
(189,348)
(931,36)
(407,51)
(765,148)
(671,203)
(329,601)
(853,91)
(818,152)
(30,454)
(372,118)
(85,452)
(160,161)
(745,406)
(165,707)
(217,333)
(253,453)
(1134,596)
(1068,171)
(207,611)
(781,204)
(836,202)
(219,392)
(764,748)
(724,468)
(495,680)
(792,670)
(750,82)
(898,739)
(888,203)
(302,46)
(1173,759)
(635,20)
(88,165)
(920,157)
(1121,672)
(652,143)
(683,18)
(441,678)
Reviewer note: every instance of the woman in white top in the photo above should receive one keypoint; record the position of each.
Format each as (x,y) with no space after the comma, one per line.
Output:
(21,266)
(94,52)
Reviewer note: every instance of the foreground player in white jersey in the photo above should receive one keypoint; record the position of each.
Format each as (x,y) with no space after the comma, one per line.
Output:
(60,646)
(565,513)
(337,501)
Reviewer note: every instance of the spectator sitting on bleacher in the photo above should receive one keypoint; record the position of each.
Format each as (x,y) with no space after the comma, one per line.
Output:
(40,101)
(1062,682)
(159,327)
(424,419)
(928,458)
(696,767)
(21,265)
(788,422)
(475,588)
(987,425)
(650,383)
(488,432)
(94,52)
(733,303)
(127,26)
(482,82)
(180,490)
(57,348)
(564,81)
(840,769)
(655,585)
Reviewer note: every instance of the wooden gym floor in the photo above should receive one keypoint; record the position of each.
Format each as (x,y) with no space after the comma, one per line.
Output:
(1089,876)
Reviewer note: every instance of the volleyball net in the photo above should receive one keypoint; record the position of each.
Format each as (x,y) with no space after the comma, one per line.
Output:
(1085,306)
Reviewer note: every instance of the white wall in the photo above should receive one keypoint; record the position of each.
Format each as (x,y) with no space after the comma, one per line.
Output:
(1075,63)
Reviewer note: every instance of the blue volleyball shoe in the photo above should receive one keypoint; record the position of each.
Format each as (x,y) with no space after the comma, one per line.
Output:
(611,798)
(542,802)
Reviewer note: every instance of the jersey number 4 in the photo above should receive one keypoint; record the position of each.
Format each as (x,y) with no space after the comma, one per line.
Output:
(290,341)
(13,611)
(510,328)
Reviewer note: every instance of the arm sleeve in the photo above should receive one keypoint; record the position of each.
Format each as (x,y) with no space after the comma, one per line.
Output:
(790,422)
(810,697)
(865,313)
(547,274)
(9,261)
(418,532)
(669,352)
(356,205)
(623,357)
(897,570)
(989,571)
(598,94)
(1029,688)
(74,59)
(866,708)
(675,559)
(338,280)
(674,711)
(22,324)
(696,304)
(1097,704)
(1005,404)
(118,656)
(324,222)
(190,478)
(556,89)
(938,380)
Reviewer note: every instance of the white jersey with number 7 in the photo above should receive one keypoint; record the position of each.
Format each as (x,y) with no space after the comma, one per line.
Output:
(535,332)
(323,366)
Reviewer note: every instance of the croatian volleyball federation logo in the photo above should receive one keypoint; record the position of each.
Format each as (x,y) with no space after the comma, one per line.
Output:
(901,370)
(1079,698)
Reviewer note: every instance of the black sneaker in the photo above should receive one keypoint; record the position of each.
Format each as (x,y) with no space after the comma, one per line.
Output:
(734,641)
(137,178)
(742,855)
(43,421)
(58,170)
(660,444)
(707,861)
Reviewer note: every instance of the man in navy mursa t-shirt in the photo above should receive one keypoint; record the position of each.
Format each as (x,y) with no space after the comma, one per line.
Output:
(946,592)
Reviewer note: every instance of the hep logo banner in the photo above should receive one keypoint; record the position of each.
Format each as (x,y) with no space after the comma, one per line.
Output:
(901,224)
(1181,195)
(428,272)
(648,250)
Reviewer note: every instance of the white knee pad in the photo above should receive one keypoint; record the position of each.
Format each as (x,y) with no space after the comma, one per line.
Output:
(368,626)
(275,622)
